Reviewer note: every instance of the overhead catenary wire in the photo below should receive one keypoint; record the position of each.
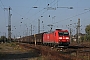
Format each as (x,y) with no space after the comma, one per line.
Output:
(72,17)
(51,6)
(28,12)
(24,16)
(47,10)
(41,11)
(2,5)
(5,19)
(35,13)
(40,14)
(31,8)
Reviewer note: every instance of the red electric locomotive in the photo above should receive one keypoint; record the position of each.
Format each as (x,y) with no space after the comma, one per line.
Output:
(58,37)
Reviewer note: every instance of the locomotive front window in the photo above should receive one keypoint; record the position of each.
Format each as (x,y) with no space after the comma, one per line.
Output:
(66,33)
(60,33)
(63,33)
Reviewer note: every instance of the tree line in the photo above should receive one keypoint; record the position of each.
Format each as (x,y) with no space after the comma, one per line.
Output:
(86,37)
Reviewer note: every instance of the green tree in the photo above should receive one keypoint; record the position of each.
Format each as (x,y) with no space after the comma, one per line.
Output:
(3,39)
(87,30)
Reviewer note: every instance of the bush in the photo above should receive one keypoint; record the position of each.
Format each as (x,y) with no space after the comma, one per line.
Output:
(88,37)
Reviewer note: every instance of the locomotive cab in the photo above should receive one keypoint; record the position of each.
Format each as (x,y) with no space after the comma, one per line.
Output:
(63,38)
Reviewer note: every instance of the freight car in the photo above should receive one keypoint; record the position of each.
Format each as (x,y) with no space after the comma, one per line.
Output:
(58,37)
(37,37)
(32,38)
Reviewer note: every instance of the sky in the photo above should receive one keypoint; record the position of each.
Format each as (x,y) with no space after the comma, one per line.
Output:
(23,15)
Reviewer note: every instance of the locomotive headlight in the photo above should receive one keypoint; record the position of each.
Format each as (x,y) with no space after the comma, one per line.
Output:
(60,37)
(67,37)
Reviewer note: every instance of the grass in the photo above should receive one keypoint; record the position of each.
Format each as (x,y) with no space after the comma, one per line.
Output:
(12,48)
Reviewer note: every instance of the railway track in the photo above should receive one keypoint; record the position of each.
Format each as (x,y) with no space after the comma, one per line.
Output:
(46,51)
(70,52)
(80,52)
(72,49)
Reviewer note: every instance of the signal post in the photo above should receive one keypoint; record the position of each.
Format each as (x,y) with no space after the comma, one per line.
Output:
(35,39)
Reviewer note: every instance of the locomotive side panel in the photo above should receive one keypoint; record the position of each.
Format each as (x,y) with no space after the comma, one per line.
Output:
(49,39)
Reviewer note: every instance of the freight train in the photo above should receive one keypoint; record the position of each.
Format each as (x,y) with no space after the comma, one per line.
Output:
(58,37)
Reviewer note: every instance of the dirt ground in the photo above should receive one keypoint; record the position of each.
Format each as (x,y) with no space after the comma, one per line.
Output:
(12,51)
(22,51)
(16,51)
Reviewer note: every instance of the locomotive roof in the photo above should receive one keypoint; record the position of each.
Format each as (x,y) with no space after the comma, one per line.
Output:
(58,29)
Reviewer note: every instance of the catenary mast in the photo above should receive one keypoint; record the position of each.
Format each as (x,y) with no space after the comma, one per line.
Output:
(9,24)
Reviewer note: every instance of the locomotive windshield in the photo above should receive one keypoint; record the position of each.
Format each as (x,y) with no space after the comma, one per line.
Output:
(63,33)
